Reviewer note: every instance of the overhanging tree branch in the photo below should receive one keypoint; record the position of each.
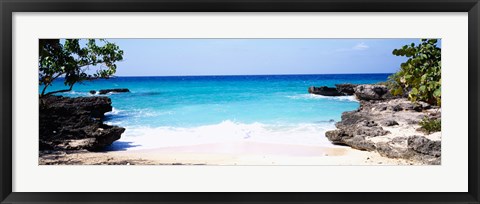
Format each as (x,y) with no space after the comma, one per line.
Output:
(68,57)
(59,91)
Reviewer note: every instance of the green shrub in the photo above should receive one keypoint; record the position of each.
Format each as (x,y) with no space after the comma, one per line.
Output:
(70,62)
(419,77)
(430,125)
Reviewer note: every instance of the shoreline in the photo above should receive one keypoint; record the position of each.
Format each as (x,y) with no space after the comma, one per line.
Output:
(225,154)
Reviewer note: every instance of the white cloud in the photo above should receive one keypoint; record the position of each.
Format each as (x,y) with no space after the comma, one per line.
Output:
(360,46)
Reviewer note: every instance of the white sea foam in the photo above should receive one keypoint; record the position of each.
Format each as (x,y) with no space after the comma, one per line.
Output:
(79,93)
(150,113)
(114,111)
(138,113)
(227,131)
(313,96)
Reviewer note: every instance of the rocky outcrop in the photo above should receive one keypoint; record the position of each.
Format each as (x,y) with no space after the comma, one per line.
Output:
(76,123)
(324,91)
(365,92)
(106,91)
(389,127)
(372,92)
(338,90)
(346,89)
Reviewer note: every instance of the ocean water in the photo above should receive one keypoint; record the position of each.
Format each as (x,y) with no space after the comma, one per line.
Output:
(170,111)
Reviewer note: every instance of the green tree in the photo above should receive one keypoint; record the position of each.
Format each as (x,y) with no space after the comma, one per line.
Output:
(420,76)
(72,61)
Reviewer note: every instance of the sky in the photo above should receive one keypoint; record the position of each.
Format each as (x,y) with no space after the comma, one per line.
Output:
(183,57)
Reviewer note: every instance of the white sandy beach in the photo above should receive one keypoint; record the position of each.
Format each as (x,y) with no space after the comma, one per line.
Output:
(237,153)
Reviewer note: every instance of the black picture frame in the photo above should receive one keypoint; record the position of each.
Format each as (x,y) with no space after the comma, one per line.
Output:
(7,7)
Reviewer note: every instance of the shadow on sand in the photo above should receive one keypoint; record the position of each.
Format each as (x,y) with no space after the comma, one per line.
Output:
(120,146)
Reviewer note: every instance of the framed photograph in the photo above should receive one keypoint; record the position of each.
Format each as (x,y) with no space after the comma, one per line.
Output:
(239,101)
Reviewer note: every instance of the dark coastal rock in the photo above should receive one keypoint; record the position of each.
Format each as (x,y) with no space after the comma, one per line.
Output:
(395,148)
(370,131)
(337,136)
(340,137)
(354,123)
(359,142)
(106,91)
(338,90)
(75,123)
(350,118)
(425,146)
(371,92)
(95,107)
(324,91)
(357,123)
(346,89)
(417,148)
(417,106)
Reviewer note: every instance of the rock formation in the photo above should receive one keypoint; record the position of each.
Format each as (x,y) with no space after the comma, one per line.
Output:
(389,127)
(346,89)
(372,92)
(106,91)
(338,90)
(76,123)
(324,91)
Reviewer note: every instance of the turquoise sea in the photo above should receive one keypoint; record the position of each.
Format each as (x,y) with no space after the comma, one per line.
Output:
(186,110)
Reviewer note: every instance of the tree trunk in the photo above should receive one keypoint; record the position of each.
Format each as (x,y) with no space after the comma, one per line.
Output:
(59,91)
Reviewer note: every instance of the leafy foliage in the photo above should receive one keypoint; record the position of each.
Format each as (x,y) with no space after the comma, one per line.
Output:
(72,62)
(420,76)
(431,125)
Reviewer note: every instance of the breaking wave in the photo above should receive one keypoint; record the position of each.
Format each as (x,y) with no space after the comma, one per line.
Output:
(228,131)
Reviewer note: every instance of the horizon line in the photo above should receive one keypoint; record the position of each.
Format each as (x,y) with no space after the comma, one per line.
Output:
(245,75)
